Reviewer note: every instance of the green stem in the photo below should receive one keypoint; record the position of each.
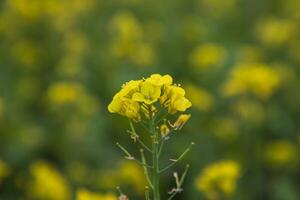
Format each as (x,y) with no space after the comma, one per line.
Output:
(155,171)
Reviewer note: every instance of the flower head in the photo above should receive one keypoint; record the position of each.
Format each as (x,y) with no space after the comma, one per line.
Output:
(139,97)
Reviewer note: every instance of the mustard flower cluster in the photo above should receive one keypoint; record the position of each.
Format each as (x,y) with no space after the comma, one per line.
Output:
(137,96)
(218,180)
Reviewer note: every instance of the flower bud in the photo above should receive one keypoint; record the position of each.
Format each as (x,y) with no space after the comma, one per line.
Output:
(182,119)
(164,130)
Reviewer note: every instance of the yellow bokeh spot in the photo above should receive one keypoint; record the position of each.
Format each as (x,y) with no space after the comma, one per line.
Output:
(208,56)
(281,153)
(83,194)
(257,78)
(47,183)
(219,179)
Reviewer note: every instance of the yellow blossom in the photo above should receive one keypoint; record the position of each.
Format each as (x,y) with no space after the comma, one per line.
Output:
(83,194)
(182,119)
(280,153)
(128,40)
(218,179)
(139,96)
(148,94)
(64,92)
(257,78)
(174,99)
(47,183)
(159,80)
(207,56)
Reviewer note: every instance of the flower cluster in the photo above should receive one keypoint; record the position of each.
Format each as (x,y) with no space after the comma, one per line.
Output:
(144,96)
(219,179)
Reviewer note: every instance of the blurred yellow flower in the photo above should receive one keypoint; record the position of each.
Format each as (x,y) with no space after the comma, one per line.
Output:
(200,98)
(281,153)
(4,170)
(83,194)
(65,92)
(208,56)
(47,183)
(218,180)
(127,173)
(257,78)
(128,39)
(275,32)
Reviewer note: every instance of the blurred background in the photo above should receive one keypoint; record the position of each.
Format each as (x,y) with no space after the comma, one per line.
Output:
(61,61)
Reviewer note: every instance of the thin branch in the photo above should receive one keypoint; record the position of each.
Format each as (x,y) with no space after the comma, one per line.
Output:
(145,168)
(179,183)
(130,157)
(135,136)
(178,159)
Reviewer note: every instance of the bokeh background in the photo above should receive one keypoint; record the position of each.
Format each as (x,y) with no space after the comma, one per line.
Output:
(61,61)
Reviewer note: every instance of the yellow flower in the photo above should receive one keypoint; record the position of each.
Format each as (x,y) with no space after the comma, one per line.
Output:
(280,153)
(174,99)
(129,40)
(64,92)
(207,56)
(219,179)
(159,80)
(148,94)
(122,102)
(182,119)
(125,107)
(257,78)
(139,96)
(47,183)
(83,194)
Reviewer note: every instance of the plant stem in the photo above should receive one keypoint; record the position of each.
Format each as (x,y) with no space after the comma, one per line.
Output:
(155,172)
